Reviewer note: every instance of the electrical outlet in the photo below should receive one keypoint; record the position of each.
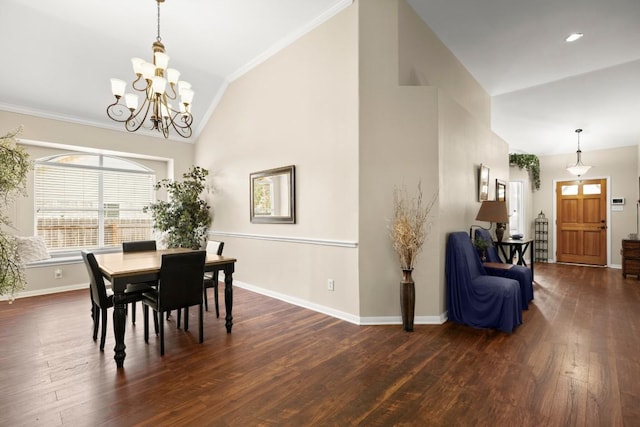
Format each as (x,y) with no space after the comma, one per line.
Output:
(57,274)
(330,285)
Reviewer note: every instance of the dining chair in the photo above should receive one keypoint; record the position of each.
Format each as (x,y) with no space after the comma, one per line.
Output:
(211,279)
(102,298)
(139,246)
(180,286)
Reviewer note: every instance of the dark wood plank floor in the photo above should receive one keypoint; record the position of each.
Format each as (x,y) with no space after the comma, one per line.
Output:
(574,361)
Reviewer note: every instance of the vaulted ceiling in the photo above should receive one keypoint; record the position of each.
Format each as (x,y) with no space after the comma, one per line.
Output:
(58,57)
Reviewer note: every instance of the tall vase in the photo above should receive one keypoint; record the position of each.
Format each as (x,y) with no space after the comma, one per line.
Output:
(407,300)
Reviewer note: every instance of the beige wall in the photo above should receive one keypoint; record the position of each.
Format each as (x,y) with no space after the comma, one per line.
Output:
(41,279)
(424,61)
(334,105)
(297,108)
(437,133)
(620,165)
(398,147)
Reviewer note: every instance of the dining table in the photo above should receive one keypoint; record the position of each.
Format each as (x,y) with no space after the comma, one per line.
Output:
(123,268)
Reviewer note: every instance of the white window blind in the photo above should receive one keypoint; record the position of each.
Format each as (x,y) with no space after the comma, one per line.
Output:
(81,203)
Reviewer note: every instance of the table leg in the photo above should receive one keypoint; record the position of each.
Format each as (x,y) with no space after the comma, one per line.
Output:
(228,296)
(512,253)
(119,322)
(504,254)
(531,257)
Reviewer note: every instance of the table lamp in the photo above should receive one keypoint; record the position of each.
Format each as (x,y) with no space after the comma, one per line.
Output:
(494,211)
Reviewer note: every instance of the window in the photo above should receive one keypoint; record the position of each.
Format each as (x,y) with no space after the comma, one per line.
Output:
(91,201)
(516,207)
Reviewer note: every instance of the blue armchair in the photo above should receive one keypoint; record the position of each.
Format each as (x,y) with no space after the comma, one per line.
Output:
(518,272)
(475,298)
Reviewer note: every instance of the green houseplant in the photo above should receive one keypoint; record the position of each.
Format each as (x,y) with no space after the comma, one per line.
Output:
(408,231)
(14,167)
(530,162)
(481,246)
(185,217)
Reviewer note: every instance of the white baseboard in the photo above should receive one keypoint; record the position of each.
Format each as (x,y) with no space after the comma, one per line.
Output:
(47,291)
(387,320)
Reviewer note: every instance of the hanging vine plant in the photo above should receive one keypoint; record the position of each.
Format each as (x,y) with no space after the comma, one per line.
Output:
(530,162)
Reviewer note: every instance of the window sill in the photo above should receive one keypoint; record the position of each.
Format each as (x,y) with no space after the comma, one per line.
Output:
(69,257)
(55,261)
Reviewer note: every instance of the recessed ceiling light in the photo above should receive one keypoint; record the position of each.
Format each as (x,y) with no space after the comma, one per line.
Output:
(573,37)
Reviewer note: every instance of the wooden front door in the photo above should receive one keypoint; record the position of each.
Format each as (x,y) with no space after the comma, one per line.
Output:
(582,221)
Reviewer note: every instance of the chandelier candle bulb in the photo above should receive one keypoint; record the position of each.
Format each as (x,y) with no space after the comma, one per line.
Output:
(159,84)
(117,87)
(131,100)
(187,96)
(183,85)
(137,65)
(173,75)
(161,60)
(148,70)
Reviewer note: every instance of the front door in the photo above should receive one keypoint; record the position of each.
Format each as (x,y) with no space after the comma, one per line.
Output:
(582,221)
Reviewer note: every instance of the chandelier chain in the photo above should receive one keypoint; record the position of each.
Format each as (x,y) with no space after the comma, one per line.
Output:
(158,38)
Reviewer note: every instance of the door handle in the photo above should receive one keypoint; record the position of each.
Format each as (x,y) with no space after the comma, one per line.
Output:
(604,227)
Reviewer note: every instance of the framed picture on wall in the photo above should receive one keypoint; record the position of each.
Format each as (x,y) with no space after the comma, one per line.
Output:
(483,183)
(501,190)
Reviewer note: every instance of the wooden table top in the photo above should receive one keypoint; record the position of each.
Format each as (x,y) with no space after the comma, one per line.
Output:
(124,264)
(498,265)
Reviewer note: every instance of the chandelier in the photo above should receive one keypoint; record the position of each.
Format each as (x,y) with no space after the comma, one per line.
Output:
(160,85)
(579,168)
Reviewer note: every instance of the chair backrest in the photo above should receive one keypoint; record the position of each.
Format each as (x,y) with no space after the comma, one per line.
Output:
(492,251)
(181,280)
(463,255)
(139,246)
(215,246)
(98,287)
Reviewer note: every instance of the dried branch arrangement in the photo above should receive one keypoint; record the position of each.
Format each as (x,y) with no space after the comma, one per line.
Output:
(408,228)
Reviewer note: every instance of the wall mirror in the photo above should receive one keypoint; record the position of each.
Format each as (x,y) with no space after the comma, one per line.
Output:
(273,196)
(501,190)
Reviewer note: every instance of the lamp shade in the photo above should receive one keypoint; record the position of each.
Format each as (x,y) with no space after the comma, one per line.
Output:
(493,211)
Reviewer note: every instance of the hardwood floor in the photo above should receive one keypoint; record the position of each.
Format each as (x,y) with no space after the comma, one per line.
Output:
(574,361)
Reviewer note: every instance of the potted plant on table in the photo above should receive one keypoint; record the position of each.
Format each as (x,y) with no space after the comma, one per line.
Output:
(185,217)
(408,231)
(481,246)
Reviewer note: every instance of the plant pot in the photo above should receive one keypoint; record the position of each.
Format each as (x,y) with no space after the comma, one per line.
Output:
(407,300)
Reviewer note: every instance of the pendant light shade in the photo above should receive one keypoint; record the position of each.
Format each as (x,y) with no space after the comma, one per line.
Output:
(579,168)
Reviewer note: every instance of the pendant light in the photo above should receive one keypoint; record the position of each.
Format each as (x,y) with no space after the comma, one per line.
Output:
(579,168)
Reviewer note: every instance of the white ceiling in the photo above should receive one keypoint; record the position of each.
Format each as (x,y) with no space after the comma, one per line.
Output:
(58,57)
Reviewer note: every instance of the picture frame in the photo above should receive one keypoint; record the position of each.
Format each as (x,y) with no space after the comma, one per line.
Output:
(483,183)
(501,190)
(272,196)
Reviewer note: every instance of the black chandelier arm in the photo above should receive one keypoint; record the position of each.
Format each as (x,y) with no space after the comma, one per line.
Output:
(138,118)
(119,112)
(181,123)
(147,83)
(173,95)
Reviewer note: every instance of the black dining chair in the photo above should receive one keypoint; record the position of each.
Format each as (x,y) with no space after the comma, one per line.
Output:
(211,279)
(139,246)
(179,286)
(102,298)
